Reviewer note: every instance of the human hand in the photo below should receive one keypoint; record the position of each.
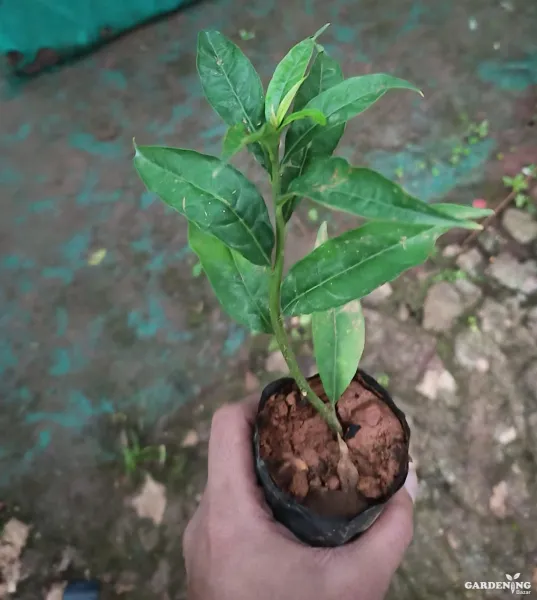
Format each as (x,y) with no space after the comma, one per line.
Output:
(235,550)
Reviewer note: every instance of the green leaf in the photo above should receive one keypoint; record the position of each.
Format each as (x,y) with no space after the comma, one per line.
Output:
(325,73)
(240,286)
(366,193)
(340,103)
(233,141)
(287,101)
(231,84)
(305,113)
(212,194)
(288,73)
(237,138)
(338,343)
(458,211)
(352,265)
(338,340)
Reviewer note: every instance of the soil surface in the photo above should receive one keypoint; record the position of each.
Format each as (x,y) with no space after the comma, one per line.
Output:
(303,456)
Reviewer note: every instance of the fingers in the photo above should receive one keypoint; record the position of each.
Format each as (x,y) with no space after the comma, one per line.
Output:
(380,550)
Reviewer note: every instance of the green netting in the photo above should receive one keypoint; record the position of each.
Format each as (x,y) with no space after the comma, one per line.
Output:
(69,26)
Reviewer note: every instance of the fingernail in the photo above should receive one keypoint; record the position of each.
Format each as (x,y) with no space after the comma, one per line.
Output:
(411,482)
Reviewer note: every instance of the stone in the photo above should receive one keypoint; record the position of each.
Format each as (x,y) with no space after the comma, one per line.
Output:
(482,364)
(469,292)
(505,435)
(491,241)
(438,382)
(403,313)
(275,363)
(474,351)
(191,439)
(514,275)
(13,538)
(150,502)
(470,261)
(520,225)
(451,251)
(497,500)
(442,307)
(496,320)
(385,340)
(378,296)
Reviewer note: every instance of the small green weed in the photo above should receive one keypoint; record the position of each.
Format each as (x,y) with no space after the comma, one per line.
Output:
(474,133)
(519,185)
(472,324)
(197,269)
(449,275)
(135,455)
(246,35)
(383,379)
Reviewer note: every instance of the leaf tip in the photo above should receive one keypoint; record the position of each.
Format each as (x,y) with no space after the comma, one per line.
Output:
(136,149)
(322,234)
(319,32)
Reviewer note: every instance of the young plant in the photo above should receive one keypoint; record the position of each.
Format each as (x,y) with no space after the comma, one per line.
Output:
(292,130)
(519,185)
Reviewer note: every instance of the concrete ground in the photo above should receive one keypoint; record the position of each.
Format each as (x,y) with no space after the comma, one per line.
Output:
(106,335)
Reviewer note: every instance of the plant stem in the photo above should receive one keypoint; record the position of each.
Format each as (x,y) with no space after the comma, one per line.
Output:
(326,410)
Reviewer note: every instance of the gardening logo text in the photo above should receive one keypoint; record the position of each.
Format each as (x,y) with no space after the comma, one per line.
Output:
(511,584)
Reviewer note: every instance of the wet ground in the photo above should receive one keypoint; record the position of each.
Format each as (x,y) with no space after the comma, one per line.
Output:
(106,333)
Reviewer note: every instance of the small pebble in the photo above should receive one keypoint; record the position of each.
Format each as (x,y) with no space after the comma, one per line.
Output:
(403,313)
(300,464)
(482,365)
(506,436)
(299,485)
(451,250)
(291,399)
(191,439)
(332,483)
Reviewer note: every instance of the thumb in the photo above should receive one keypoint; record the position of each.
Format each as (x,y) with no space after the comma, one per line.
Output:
(380,550)
(388,538)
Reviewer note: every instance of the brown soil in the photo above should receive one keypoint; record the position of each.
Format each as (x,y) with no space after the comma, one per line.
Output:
(302,453)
